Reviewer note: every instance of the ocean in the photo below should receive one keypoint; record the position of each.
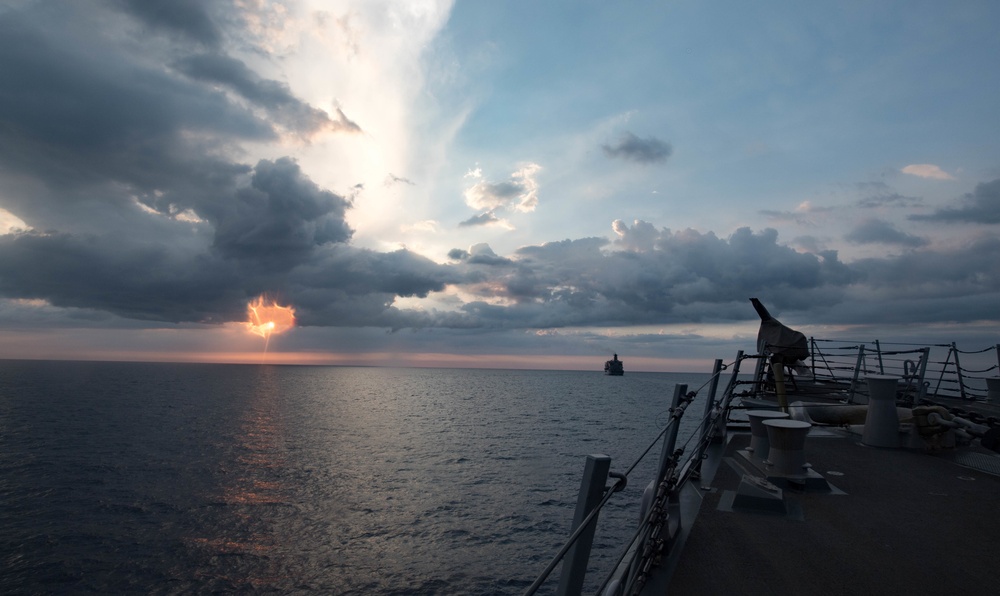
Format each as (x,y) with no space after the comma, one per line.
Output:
(193,478)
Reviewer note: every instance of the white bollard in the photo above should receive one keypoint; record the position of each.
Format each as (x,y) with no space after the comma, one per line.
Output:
(759,444)
(787,456)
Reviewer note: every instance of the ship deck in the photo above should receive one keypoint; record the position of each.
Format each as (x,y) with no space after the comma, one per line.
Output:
(897,521)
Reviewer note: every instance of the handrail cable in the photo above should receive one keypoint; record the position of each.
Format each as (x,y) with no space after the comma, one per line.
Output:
(884,343)
(571,541)
(989,349)
(674,419)
(971,370)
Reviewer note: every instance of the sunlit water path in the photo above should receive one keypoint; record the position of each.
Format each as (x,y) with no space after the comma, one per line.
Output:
(171,478)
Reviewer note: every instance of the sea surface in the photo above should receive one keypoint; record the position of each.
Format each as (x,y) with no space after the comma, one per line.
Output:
(196,478)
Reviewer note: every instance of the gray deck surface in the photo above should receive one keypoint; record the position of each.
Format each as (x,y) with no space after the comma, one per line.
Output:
(909,523)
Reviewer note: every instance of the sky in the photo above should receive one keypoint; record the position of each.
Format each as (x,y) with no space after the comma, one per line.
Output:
(514,184)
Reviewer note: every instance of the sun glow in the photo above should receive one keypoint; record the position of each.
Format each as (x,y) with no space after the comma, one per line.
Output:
(265,317)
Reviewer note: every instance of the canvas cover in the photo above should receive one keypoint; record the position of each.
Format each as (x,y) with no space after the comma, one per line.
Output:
(784,343)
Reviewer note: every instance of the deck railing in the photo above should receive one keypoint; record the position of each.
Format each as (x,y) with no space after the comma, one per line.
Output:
(938,369)
(837,365)
(660,522)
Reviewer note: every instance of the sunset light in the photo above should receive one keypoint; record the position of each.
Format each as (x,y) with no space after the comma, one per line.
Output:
(266,317)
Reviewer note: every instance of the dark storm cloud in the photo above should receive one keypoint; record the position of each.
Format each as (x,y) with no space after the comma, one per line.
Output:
(980,206)
(661,278)
(646,151)
(959,284)
(149,282)
(877,231)
(356,287)
(188,18)
(273,96)
(280,218)
(105,141)
(92,124)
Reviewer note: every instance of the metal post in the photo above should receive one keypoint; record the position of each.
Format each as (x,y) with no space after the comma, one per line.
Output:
(670,440)
(727,395)
(921,389)
(812,355)
(997,347)
(878,350)
(857,370)
(595,476)
(778,368)
(758,377)
(706,422)
(944,369)
(958,371)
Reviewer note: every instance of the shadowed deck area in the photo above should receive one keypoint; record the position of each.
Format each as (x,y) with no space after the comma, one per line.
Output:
(909,523)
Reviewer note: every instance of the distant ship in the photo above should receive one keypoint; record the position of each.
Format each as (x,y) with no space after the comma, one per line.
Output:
(614,367)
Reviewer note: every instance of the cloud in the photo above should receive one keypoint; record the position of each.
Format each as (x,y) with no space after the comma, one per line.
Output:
(981,206)
(188,18)
(889,200)
(926,170)
(131,128)
(662,277)
(959,284)
(478,254)
(144,281)
(273,96)
(280,219)
(877,231)
(123,171)
(392,179)
(517,193)
(808,243)
(483,219)
(645,151)
(800,215)
(641,237)
(149,166)
(425,226)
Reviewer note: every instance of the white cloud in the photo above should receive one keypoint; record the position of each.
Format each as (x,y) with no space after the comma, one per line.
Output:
(427,225)
(926,170)
(519,192)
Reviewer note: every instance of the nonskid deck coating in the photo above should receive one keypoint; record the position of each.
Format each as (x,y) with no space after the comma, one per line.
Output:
(909,523)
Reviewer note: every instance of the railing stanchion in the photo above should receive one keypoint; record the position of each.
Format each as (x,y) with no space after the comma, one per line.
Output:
(670,440)
(944,370)
(812,355)
(758,377)
(706,420)
(857,370)
(921,388)
(958,372)
(727,396)
(595,476)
